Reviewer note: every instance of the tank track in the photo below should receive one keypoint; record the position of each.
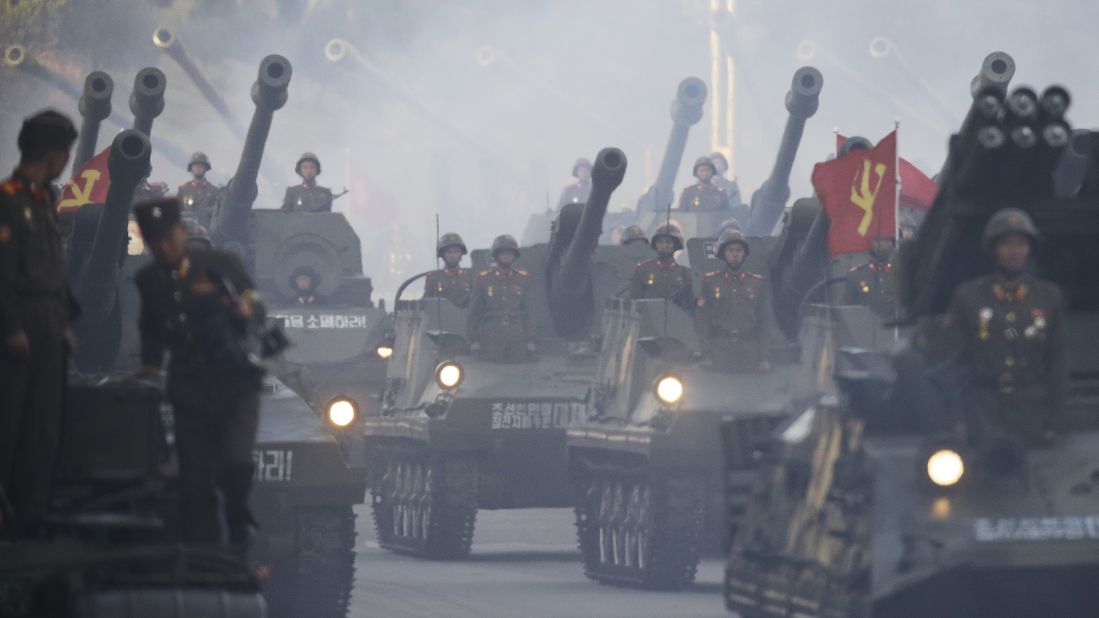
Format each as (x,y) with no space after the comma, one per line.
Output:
(637,527)
(424,504)
(318,580)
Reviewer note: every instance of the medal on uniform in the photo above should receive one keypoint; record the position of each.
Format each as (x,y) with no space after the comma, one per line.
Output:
(864,287)
(490,291)
(984,316)
(717,293)
(652,279)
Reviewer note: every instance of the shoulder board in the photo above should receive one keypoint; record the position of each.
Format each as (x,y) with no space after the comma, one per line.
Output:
(11,187)
(522,272)
(485,273)
(646,262)
(854,268)
(712,273)
(756,276)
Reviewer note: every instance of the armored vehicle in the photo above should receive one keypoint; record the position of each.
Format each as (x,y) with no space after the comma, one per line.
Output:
(870,505)
(458,433)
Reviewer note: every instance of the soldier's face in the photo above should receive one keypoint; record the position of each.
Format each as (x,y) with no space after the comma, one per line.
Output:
(583,172)
(1012,253)
(705,173)
(720,166)
(452,255)
(734,254)
(664,245)
(303,282)
(308,170)
(55,164)
(506,258)
(198,170)
(170,249)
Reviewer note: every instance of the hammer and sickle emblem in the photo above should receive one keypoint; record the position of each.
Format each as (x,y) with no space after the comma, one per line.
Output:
(863,196)
(83,195)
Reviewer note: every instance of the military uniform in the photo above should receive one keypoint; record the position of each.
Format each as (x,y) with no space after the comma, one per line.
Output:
(35,298)
(215,409)
(499,319)
(577,192)
(197,198)
(734,318)
(701,197)
(663,279)
(307,197)
(453,284)
(872,285)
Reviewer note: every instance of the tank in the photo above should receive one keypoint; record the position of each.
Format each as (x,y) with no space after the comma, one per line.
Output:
(690,99)
(95,107)
(495,440)
(846,519)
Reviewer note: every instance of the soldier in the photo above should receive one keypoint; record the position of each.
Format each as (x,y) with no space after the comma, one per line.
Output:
(197,236)
(663,277)
(1011,339)
(36,309)
(304,281)
(580,190)
(308,196)
(871,284)
(149,190)
(451,282)
(198,194)
(212,384)
(634,236)
(734,316)
(499,319)
(703,195)
(729,186)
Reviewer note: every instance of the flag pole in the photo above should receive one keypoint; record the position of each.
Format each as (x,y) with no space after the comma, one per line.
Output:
(896,211)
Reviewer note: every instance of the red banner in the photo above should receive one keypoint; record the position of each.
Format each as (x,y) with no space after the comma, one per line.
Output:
(89,185)
(918,191)
(859,195)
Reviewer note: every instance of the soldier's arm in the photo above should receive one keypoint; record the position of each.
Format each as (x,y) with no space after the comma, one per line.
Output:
(10,322)
(288,200)
(564,199)
(702,319)
(429,288)
(326,202)
(1057,360)
(528,330)
(765,318)
(685,296)
(476,309)
(637,283)
(684,201)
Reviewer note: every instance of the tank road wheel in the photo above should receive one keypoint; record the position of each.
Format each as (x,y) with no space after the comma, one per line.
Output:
(317,580)
(425,505)
(639,530)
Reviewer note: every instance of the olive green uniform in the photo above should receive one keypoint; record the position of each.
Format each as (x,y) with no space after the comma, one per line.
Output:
(453,284)
(499,319)
(197,198)
(658,278)
(215,412)
(872,285)
(577,192)
(734,318)
(307,198)
(34,298)
(701,197)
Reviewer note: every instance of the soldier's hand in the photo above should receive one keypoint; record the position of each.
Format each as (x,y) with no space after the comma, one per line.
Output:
(70,340)
(531,348)
(243,309)
(18,345)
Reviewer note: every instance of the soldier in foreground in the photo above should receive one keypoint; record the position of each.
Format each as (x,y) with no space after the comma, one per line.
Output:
(1011,340)
(734,311)
(662,277)
(703,195)
(195,305)
(36,309)
(197,194)
(308,196)
(499,319)
(872,284)
(451,282)
(578,191)
(634,236)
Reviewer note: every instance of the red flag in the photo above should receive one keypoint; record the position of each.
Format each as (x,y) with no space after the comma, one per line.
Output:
(859,195)
(89,185)
(917,190)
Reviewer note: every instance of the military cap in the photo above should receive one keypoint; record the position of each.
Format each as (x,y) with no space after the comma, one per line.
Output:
(581,162)
(700,162)
(717,156)
(729,237)
(309,271)
(199,157)
(157,217)
(307,156)
(729,224)
(505,242)
(668,230)
(45,131)
(195,232)
(1008,221)
(450,239)
(632,233)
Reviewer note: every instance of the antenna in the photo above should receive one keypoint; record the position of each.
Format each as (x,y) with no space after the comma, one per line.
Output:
(667,228)
(438,301)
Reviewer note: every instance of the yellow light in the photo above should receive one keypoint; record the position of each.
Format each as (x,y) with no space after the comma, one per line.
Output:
(669,389)
(449,374)
(384,351)
(341,412)
(945,467)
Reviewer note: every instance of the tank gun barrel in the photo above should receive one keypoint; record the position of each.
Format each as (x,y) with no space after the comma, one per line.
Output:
(769,201)
(95,107)
(269,93)
(608,170)
(147,99)
(690,97)
(166,39)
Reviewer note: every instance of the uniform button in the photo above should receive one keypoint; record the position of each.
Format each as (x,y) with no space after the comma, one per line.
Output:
(183,317)
(1010,361)
(1010,316)
(178,295)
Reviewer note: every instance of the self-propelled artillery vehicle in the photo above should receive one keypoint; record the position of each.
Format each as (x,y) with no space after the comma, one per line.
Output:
(458,433)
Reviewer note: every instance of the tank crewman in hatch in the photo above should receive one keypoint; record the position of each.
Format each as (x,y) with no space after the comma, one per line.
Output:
(662,277)
(578,191)
(634,236)
(872,284)
(703,195)
(308,196)
(197,195)
(213,385)
(304,282)
(451,282)
(499,319)
(36,309)
(1009,329)
(734,311)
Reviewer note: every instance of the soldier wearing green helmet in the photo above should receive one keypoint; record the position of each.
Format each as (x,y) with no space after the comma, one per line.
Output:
(451,282)
(499,318)
(197,195)
(308,196)
(734,310)
(662,277)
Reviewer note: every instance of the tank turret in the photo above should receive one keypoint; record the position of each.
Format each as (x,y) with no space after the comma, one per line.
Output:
(147,99)
(686,112)
(95,107)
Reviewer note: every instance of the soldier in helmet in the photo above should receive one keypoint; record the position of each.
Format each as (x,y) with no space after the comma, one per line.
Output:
(304,282)
(580,190)
(734,311)
(663,277)
(1010,331)
(703,195)
(634,236)
(451,282)
(499,319)
(872,284)
(197,236)
(308,196)
(729,186)
(197,195)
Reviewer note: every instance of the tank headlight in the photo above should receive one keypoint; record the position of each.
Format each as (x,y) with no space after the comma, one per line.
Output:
(449,374)
(945,467)
(384,351)
(341,411)
(669,389)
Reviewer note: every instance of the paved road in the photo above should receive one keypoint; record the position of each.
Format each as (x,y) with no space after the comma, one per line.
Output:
(524,563)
